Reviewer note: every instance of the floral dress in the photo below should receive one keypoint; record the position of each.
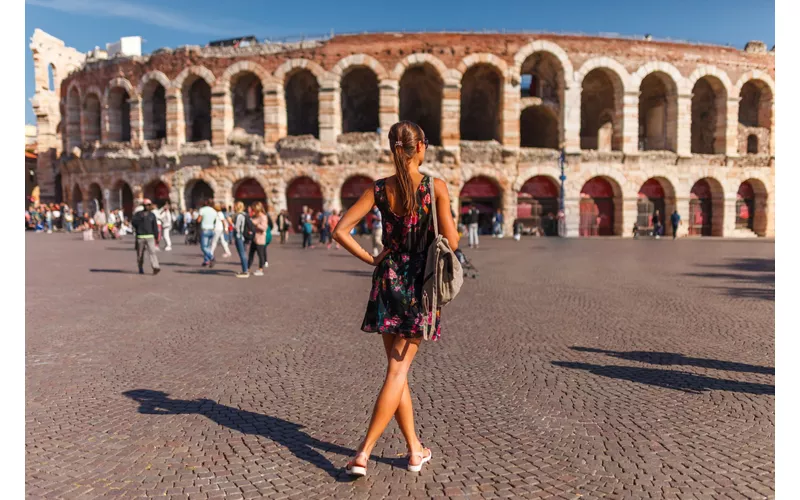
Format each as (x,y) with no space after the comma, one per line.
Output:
(395,301)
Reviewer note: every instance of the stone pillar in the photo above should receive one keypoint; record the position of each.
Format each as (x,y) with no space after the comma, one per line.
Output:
(572,211)
(389,110)
(451,113)
(572,120)
(330,114)
(218,122)
(684,125)
(682,204)
(137,122)
(509,211)
(511,111)
(630,212)
(274,114)
(732,127)
(728,219)
(630,122)
(176,125)
(105,126)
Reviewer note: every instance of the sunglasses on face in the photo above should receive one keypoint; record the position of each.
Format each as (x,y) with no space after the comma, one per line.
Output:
(425,141)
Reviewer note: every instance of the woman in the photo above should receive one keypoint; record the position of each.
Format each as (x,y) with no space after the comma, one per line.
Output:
(220,225)
(239,226)
(395,303)
(259,244)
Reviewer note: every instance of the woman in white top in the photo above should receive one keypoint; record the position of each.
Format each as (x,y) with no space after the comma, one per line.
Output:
(219,232)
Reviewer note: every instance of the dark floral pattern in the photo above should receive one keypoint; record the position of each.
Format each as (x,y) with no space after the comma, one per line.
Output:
(395,301)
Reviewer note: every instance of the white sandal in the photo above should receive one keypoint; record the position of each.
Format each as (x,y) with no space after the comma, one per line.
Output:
(357,470)
(421,454)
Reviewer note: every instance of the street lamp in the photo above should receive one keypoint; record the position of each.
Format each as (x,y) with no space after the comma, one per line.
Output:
(562,222)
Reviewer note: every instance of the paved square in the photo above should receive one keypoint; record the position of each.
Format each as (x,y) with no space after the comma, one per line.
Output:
(569,369)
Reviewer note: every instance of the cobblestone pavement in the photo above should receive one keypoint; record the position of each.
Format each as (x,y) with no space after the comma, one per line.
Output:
(569,369)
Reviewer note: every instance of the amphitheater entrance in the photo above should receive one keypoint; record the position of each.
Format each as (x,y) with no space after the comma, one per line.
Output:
(655,195)
(482,193)
(353,188)
(302,103)
(77,199)
(197,193)
(705,208)
(302,193)
(537,206)
(598,208)
(121,198)
(249,191)
(751,207)
(157,192)
(95,198)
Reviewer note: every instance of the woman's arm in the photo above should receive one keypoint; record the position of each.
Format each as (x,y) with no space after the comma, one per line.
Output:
(444,216)
(349,220)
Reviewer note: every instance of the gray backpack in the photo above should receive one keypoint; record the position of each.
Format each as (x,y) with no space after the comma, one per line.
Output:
(443,275)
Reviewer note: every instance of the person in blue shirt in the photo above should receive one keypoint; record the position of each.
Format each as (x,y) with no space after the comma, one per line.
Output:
(676,221)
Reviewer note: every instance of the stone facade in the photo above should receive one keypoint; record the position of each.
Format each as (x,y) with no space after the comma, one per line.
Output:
(626,111)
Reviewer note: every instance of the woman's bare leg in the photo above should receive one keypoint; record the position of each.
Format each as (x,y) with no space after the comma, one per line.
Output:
(401,356)
(405,412)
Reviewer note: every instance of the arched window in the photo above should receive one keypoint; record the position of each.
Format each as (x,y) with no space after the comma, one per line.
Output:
(119,115)
(197,109)
(51,79)
(91,118)
(360,99)
(421,91)
(708,116)
(247,96)
(601,111)
(302,103)
(481,103)
(755,114)
(658,113)
(154,110)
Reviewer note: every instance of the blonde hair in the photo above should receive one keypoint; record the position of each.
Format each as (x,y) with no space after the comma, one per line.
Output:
(258,207)
(217,207)
(238,206)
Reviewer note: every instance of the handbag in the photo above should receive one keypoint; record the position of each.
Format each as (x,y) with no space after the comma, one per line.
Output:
(443,275)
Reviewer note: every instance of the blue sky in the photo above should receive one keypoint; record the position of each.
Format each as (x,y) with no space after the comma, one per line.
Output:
(84,24)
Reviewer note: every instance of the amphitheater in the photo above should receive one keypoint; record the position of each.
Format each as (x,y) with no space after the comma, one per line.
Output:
(644,125)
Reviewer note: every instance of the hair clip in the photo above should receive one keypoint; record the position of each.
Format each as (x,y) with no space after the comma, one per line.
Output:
(398,143)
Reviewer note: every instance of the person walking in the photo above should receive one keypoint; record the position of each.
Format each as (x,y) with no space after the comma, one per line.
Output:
(220,228)
(377,231)
(307,228)
(68,219)
(145,226)
(243,233)
(657,225)
(262,225)
(333,221)
(283,225)
(497,224)
(167,219)
(675,218)
(472,226)
(395,308)
(207,218)
(100,222)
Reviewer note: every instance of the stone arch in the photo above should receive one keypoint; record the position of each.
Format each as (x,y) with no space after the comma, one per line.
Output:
(121,197)
(482,88)
(301,87)
(663,67)
(199,189)
(706,207)
(92,113)
(360,99)
(154,108)
(705,70)
(158,190)
(601,207)
(73,114)
(76,196)
(655,194)
(603,85)
(249,190)
(709,114)
(484,191)
(421,90)
(95,197)
(483,58)
(224,82)
(293,65)
(51,77)
(544,46)
(195,84)
(193,71)
(756,116)
(418,59)
(303,191)
(116,102)
(244,97)
(752,206)
(658,107)
(352,187)
(538,204)
(365,60)
(151,76)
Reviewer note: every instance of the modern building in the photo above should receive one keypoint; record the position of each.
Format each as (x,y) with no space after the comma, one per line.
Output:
(645,125)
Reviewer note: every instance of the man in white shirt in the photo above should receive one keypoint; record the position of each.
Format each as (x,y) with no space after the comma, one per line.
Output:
(207,218)
(166,218)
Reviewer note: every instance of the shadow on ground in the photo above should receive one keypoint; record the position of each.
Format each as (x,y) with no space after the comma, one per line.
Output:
(351,272)
(283,432)
(674,358)
(113,271)
(750,271)
(669,379)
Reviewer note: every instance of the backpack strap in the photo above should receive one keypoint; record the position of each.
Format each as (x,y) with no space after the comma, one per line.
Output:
(433,207)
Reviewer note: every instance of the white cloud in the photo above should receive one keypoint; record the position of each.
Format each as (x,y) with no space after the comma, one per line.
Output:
(148,14)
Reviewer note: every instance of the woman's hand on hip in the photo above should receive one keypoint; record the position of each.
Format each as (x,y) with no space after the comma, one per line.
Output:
(377,260)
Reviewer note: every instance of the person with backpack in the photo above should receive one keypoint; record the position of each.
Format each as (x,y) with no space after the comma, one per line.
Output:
(263,226)
(145,226)
(397,308)
(243,233)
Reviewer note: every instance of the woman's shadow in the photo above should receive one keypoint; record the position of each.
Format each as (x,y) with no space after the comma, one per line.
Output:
(281,431)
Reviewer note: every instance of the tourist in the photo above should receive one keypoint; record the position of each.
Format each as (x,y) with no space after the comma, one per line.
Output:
(167,218)
(220,228)
(187,220)
(283,225)
(145,226)
(676,222)
(48,218)
(243,232)
(68,219)
(324,228)
(259,244)
(473,215)
(333,220)
(307,228)
(207,218)
(656,225)
(377,231)
(497,224)
(56,213)
(395,303)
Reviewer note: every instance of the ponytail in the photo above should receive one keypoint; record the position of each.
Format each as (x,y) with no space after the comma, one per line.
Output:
(404,137)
